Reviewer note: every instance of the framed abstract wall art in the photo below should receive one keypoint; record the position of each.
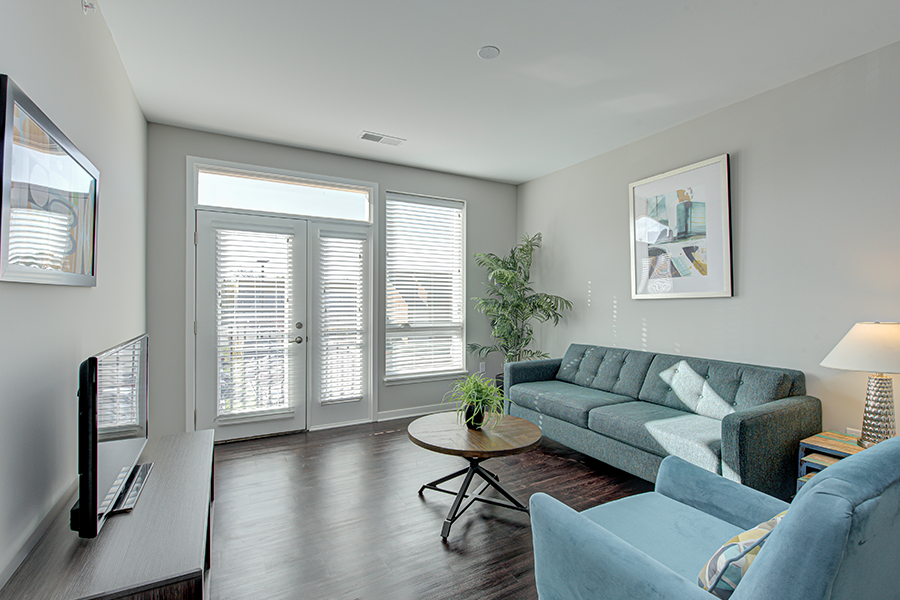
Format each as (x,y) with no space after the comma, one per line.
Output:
(681,233)
(49,198)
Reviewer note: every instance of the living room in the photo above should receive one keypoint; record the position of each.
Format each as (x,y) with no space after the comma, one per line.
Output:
(805,266)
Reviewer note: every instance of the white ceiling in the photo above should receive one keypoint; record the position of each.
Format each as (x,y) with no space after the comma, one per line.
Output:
(574,79)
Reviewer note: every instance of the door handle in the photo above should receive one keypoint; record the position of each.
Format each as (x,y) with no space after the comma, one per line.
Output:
(298,339)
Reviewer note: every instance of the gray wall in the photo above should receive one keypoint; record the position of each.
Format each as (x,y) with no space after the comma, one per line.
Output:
(491,227)
(814,230)
(68,65)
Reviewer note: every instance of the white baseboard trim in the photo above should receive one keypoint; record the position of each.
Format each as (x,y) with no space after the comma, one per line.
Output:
(41,528)
(418,411)
(390,415)
(336,425)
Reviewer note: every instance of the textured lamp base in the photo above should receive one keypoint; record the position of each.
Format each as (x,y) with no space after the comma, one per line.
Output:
(878,419)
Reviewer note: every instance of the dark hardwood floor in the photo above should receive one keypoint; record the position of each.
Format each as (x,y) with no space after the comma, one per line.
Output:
(336,515)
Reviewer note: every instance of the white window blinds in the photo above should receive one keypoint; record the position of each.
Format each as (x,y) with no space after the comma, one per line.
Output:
(424,287)
(119,388)
(253,321)
(341,338)
(38,238)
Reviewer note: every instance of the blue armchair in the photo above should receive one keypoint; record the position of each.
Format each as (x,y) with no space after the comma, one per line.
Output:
(840,538)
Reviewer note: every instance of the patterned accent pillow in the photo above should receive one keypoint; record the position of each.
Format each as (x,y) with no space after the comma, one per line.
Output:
(721,575)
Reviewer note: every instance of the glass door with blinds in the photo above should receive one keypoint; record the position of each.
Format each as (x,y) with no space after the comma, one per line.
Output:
(252,330)
(340,374)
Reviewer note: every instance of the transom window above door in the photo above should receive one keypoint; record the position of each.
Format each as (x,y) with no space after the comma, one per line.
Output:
(224,185)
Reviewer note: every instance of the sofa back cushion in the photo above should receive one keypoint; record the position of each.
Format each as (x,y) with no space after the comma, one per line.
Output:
(647,376)
(738,385)
(695,392)
(614,370)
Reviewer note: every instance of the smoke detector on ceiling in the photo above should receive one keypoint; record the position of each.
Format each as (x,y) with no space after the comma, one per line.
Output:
(381,138)
(489,52)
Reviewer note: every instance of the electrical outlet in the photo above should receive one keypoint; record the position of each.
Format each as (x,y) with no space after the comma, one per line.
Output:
(853,432)
(481,367)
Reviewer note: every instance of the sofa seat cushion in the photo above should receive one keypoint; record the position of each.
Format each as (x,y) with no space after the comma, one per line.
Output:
(675,534)
(565,401)
(662,431)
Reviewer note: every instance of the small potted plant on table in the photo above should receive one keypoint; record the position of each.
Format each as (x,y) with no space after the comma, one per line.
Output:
(477,400)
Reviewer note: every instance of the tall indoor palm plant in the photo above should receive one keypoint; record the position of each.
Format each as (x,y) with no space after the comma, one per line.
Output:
(511,303)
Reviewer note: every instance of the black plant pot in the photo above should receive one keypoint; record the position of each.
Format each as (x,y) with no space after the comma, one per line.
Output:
(474,417)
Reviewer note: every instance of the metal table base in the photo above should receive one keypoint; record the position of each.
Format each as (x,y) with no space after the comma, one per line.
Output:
(458,508)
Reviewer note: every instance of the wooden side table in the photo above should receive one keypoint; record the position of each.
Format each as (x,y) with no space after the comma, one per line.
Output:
(822,450)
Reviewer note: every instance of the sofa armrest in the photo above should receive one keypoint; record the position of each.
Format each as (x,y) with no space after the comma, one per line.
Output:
(577,559)
(760,444)
(715,495)
(528,370)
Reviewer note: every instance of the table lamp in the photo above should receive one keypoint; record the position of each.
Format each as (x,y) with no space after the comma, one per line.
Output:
(872,347)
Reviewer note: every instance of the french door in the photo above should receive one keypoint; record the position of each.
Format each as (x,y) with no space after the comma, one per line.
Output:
(251,324)
(340,323)
(283,324)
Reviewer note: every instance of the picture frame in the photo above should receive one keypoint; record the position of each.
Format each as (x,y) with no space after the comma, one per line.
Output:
(681,233)
(48,207)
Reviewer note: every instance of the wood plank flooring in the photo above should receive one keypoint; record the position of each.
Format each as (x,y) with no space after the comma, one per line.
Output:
(336,515)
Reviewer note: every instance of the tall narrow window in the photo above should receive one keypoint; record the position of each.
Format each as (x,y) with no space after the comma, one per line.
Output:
(424,287)
(253,321)
(341,339)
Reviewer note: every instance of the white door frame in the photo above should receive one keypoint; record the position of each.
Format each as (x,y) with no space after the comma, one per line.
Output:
(193,164)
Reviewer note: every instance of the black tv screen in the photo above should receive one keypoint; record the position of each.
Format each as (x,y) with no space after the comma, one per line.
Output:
(112,429)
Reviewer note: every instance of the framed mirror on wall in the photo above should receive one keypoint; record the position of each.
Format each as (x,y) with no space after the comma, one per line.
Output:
(48,223)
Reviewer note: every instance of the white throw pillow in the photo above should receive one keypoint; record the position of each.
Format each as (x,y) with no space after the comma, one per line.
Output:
(695,392)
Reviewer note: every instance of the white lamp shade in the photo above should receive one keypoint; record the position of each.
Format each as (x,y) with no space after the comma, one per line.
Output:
(871,347)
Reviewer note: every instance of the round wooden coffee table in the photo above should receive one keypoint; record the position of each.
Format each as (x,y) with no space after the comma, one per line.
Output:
(445,434)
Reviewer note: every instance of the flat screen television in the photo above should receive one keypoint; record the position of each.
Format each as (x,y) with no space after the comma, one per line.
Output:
(112,432)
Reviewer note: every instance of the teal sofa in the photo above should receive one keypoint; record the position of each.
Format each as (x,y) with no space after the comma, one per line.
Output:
(839,540)
(631,409)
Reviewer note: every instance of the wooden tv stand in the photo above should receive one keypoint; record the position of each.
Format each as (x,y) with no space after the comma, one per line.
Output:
(160,550)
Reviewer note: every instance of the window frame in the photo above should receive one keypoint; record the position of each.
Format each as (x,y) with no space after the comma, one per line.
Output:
(443,375)
(196,164)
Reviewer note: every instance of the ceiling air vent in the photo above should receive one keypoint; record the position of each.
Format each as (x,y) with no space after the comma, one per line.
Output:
(380,138)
